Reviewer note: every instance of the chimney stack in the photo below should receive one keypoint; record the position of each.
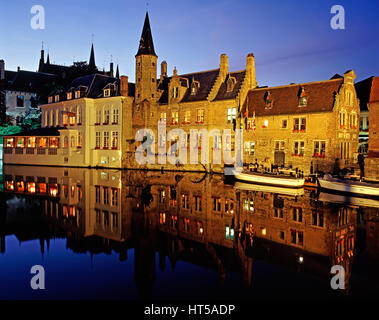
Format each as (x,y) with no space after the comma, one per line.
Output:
(124,86)
(2,70)
(224,64)
(163,70)
(250,71)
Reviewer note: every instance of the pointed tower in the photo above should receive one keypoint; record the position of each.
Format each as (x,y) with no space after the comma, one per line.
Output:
(117,73)
(146,66)
(91,63)
(48,58)
(41,60)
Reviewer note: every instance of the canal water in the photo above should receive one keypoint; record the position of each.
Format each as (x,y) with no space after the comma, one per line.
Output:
(109,234)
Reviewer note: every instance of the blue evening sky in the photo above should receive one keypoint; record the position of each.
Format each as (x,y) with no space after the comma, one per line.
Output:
(292,40)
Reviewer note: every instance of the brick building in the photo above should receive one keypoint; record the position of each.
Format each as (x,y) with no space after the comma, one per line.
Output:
(311,126)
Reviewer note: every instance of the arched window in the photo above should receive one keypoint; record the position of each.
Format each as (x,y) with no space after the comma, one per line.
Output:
(65,142)
(230,84)
(72,142)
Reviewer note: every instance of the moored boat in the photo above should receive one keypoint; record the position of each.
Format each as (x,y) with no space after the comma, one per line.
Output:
(272,189)
(269,179)
(348,200)
(364,189)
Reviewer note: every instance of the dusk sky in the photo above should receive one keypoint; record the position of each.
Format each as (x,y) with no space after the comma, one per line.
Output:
(292,40)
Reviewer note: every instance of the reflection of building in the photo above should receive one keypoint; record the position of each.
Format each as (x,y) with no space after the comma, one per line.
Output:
(188,217)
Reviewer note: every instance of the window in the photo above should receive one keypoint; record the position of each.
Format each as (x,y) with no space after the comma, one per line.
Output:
(20,101)
(114,140)
(187,117)
(69,95)
(77,94)
(174,117)
(57,98)
(9,142)
(265,124)
(175,92)
(229,206)
(106,117)
(106,218)
(50,99)
(217,204)
(115,116)
(20,143)
(353,120)
(114,197)
(284,124)
(162,196)
(318,219)
(79,114)
(200,116)
(185,201)
(298,148)
(98,139)
(297,237)
(114,220)
(98,117)
(197,203)
(278,213)
(105,196)
(80,139)
(302,101)
(299,125)
(297,214)
(343,119)
(106,140)
(163,116)
(229,233)
(97,194)
(231,114)
(72,142)
(279,145)
(107,92)
(319,149)
(31,142)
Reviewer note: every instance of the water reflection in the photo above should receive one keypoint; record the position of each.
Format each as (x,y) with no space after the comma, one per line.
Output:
(187,217)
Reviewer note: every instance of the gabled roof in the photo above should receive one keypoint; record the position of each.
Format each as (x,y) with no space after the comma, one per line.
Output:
(320,98)
(363,89)
(222,92)
(374,96)
(146,45)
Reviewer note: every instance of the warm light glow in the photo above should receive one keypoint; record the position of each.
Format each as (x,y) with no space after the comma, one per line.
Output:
(264,231)
(301,259)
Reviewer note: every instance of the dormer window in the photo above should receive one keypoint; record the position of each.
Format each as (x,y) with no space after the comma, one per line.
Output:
(50,99)
(195,87)
(269,101)
(175,92)
(302,98)
(230,84)
(57,98)
(107,92)
(77,94)
(69,95)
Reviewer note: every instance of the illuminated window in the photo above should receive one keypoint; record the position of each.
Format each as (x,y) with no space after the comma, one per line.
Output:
(174,117)
(298,148)
(106,117)
(53,142)
(229,206)
(114,194)
(20,186)
(299,124)
(115,116)
(319,149)
(187,116)
(9,185)
(265,124)
(185,201)
(229,233)
(80,139)
(69,95)
(231,114)
(9,142)
(200,115)
(79,114)
(216,204)
(31,187)
(97,141)
(106,140)
(53,189)
(20,143)
(162,218)
(114,140)
(105,196)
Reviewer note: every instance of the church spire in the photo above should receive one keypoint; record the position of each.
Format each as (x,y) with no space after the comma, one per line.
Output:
(48,58)
(92,57)
(146,45)
(117,73)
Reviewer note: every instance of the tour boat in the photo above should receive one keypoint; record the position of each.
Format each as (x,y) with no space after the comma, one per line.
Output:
(269,179)
(364,189)
(272,189)
(348,200)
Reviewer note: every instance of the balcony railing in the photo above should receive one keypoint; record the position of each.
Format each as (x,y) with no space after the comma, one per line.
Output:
(53,152)
(19,151)
(41,151)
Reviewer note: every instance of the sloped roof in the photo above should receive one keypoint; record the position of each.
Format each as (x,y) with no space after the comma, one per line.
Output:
(146,45)
(363,89)
(320,98)
(223,94)
(28,81)
(205,79)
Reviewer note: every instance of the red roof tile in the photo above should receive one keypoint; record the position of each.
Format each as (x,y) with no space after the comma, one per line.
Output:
(320,98)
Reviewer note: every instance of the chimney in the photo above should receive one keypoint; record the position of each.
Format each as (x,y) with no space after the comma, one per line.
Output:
(224,64)
(124,86)
(163,70)
(250,71)
(2,70)
(18,68)
(111,69)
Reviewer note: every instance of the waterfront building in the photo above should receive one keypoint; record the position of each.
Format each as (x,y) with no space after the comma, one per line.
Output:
(84,125)
(310,126)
